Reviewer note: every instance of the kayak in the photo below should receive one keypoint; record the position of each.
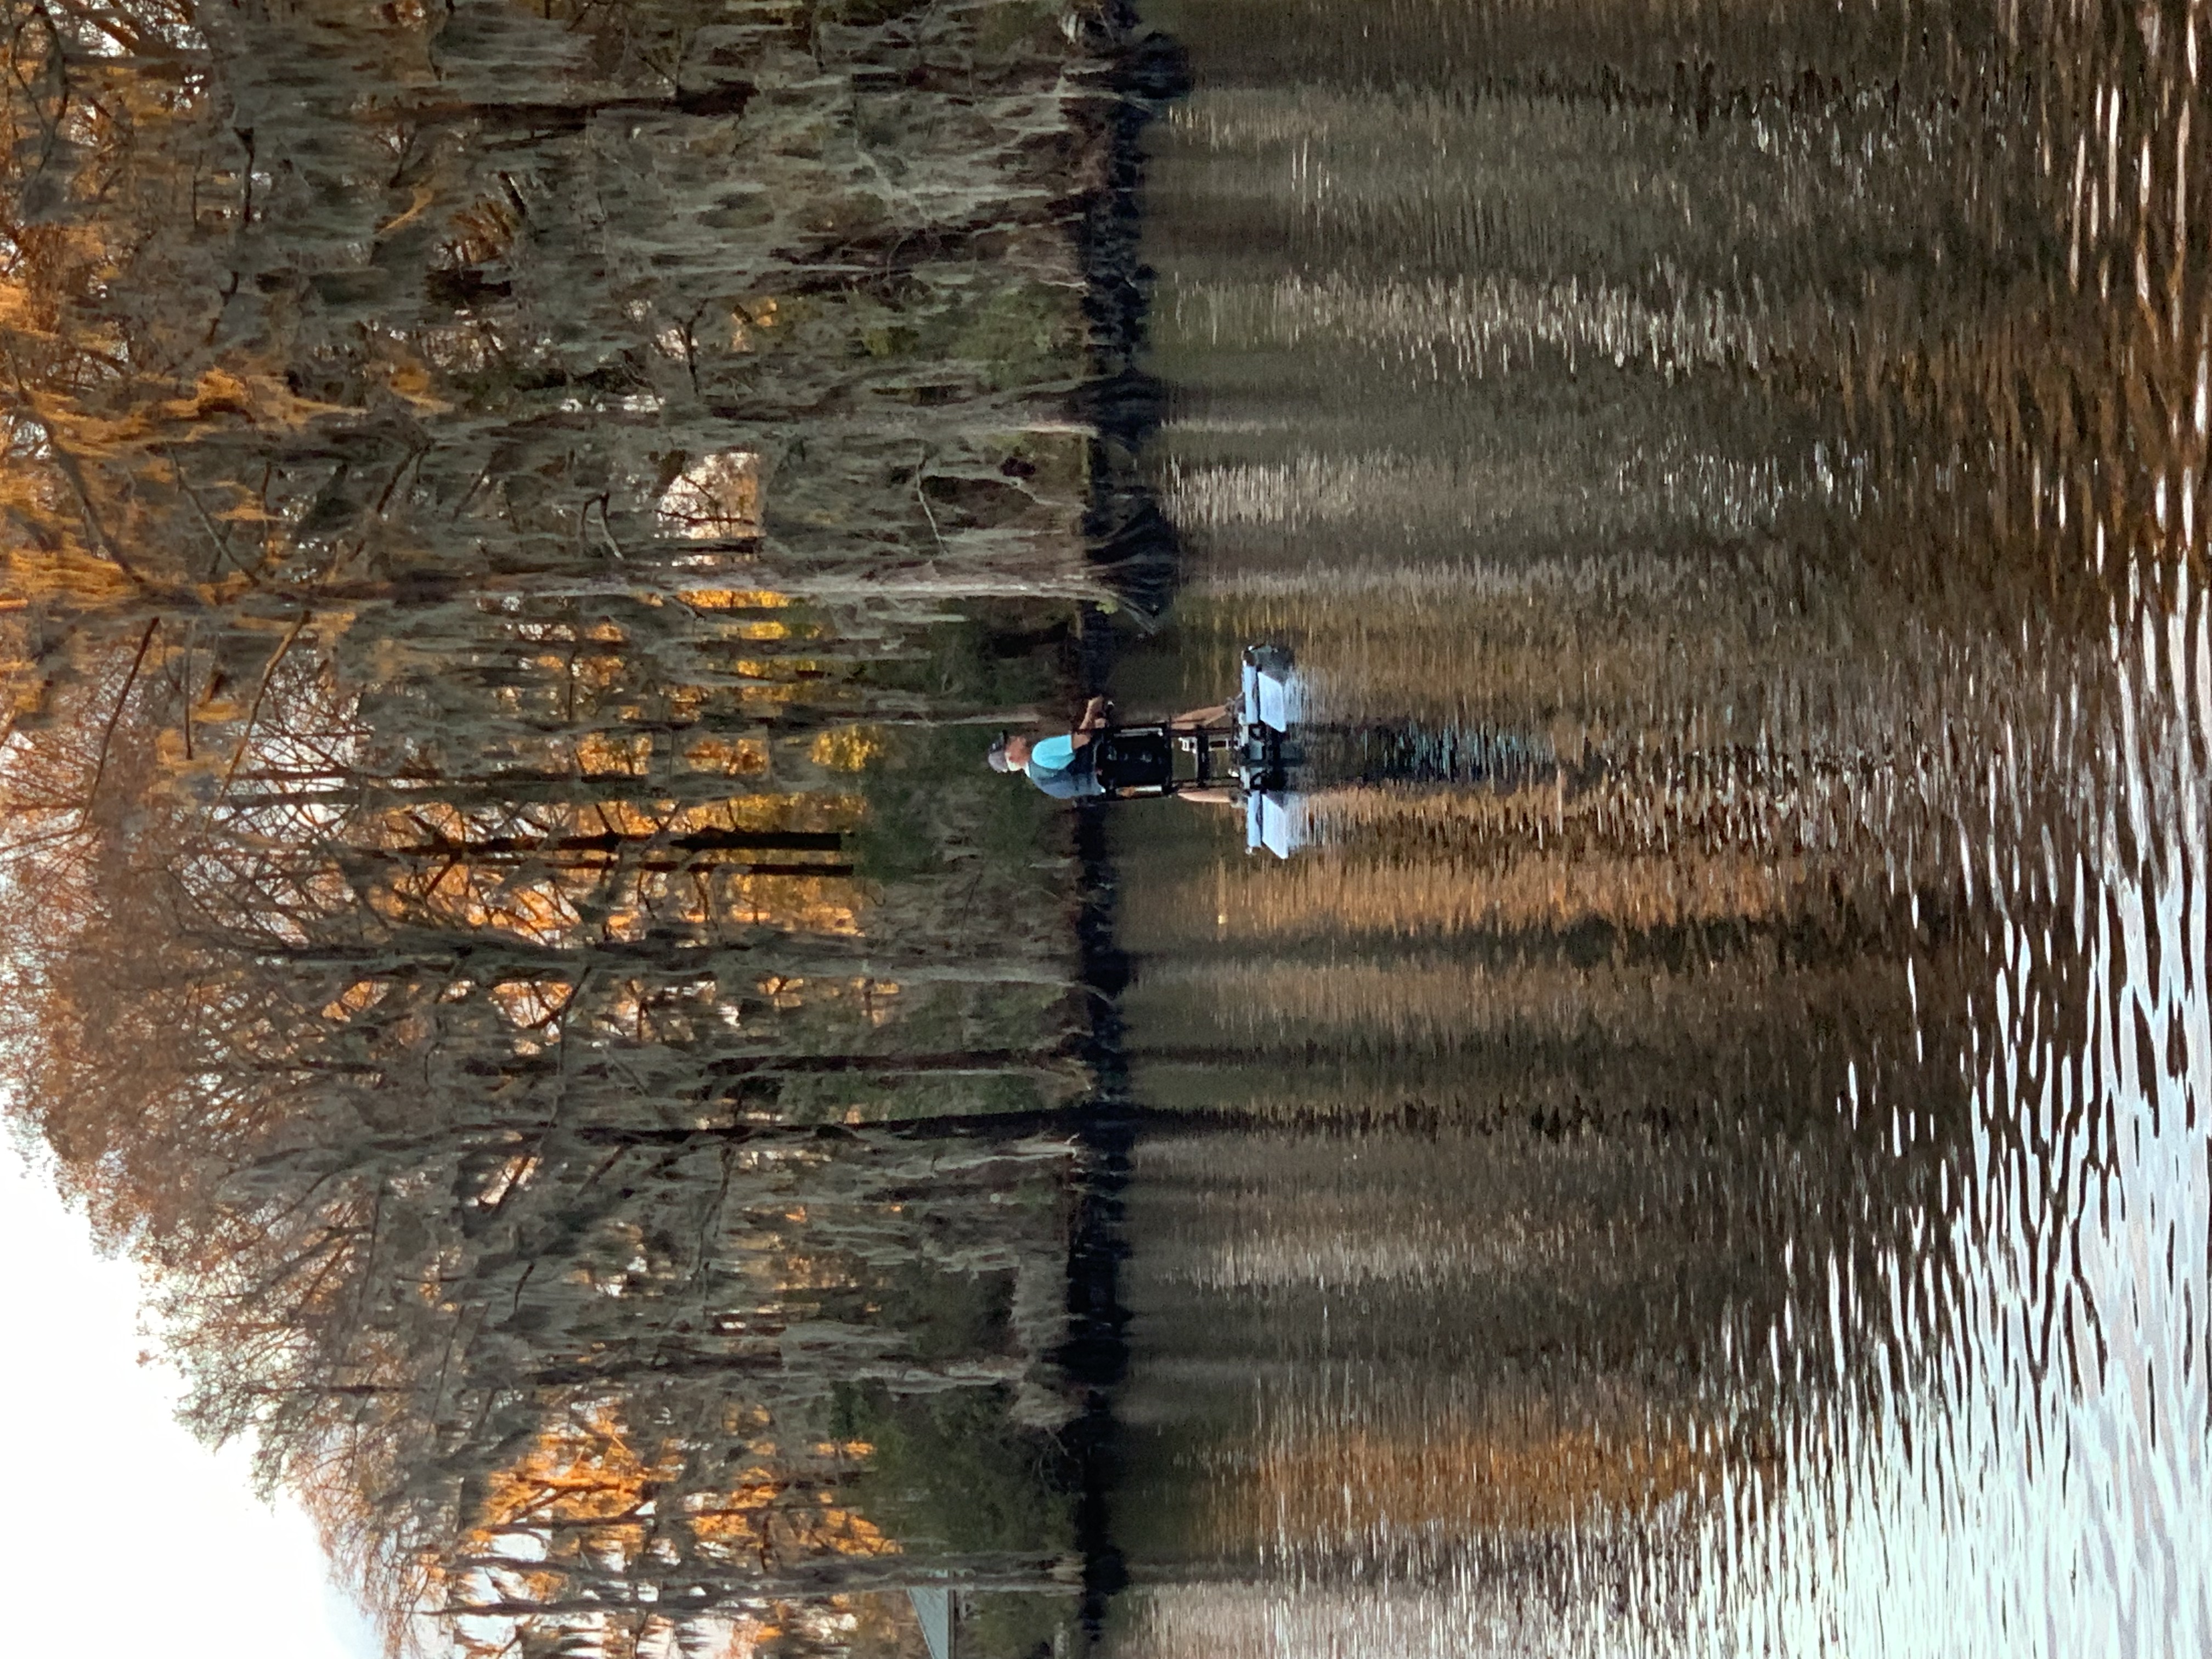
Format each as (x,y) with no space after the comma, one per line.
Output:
(1252,756)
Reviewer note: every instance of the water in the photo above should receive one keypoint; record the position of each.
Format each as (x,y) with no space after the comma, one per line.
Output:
(1726,1176)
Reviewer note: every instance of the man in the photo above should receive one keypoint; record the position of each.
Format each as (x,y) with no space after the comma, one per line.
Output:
(1063,766)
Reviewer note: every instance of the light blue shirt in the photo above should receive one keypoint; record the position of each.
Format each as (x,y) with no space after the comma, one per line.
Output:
(1053,768)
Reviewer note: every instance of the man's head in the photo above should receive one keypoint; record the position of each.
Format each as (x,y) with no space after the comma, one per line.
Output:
(1008,753)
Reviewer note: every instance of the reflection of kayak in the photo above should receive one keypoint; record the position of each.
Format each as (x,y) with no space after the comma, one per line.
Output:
(1274,819)
(1273,702)
(1250,757)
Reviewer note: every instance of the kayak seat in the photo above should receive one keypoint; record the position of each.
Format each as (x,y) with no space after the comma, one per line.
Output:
(1136,760)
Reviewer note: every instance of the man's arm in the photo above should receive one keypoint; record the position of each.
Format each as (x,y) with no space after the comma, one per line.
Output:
(1096,715)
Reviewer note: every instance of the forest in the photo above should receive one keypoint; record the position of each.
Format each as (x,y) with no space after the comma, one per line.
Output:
(515,516)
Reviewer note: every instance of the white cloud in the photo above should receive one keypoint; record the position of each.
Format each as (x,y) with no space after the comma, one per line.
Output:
(121,1535)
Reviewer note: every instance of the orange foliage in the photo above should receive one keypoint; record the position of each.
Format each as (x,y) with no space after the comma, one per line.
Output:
(595,1472)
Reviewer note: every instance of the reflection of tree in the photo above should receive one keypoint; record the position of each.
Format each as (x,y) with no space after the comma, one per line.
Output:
(1528,1088)
(1794,458)
(1450,1478)
(495,499)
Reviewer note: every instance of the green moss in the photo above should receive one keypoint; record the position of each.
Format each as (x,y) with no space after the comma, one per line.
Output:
(905,1098)
(865,14)
(1018,335)
(894,842)
(1007,25)
(1018,1626)
(952,1473)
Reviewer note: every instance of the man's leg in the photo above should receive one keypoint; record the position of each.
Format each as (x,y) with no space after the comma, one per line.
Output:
(1201,719)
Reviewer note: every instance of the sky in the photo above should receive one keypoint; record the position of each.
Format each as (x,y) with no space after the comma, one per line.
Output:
(200,1567)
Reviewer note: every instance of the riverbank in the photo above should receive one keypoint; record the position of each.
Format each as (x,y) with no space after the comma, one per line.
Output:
(511,925)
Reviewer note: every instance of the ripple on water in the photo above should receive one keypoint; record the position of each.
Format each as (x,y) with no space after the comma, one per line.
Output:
(1707,1153)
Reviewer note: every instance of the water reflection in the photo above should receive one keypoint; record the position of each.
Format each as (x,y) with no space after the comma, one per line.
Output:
(1703,1154)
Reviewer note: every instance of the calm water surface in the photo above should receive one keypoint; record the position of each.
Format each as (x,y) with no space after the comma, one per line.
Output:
(1722,1171)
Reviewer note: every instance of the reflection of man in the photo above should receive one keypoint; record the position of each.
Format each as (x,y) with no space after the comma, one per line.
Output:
(1063,766)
